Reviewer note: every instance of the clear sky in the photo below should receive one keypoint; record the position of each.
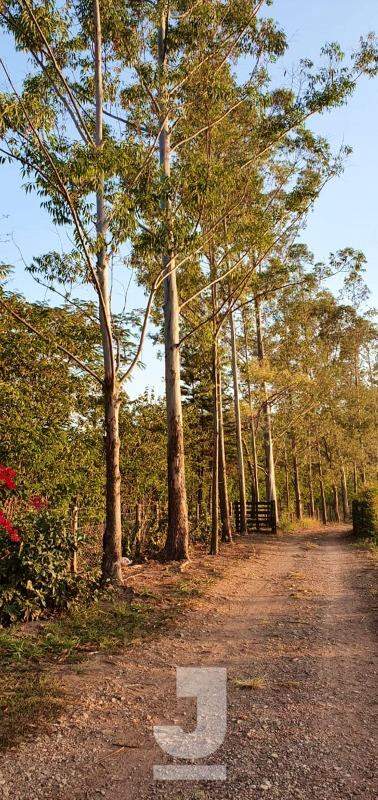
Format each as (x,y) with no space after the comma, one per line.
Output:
(345,214)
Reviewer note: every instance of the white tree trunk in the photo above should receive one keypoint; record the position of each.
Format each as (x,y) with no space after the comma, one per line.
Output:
(271,490)
(238,429)
(112,541)
(177,543)
(223,487)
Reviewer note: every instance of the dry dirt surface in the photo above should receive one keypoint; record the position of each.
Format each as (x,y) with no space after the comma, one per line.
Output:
(295,616)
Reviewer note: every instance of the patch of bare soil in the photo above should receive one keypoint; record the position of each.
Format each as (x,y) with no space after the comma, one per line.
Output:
(292,621)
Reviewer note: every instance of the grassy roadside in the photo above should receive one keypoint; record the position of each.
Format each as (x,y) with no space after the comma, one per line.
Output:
(30,655)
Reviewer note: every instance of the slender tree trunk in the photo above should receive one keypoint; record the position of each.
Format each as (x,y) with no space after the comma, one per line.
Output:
(268,439)
(355,478)
(255,477)
(287,480)
(336,503)
(74,529)
(344,493)
(322,492)
(311,487)
(199,496)
(296,482)
(238,430)
(112,540)
(177,542)
(223,487)
(214,541)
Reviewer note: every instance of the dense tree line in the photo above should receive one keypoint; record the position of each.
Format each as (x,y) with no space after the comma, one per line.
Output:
(133,130)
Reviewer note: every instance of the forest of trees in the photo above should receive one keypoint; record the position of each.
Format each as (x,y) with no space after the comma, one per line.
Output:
(134,131)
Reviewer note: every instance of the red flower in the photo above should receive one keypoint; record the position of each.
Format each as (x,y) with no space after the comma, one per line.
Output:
(13,534)
(7,476)
(37,502)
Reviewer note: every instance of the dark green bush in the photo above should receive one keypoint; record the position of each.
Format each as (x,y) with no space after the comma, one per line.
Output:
(35,572)
(365,513)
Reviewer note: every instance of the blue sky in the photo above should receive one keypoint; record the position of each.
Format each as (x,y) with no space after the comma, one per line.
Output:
(346,213)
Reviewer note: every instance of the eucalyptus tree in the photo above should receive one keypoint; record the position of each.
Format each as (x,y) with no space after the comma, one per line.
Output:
(185,75)
(77,164)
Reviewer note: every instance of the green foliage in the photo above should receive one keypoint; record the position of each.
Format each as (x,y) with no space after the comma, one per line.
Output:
(365,513)
(35,574)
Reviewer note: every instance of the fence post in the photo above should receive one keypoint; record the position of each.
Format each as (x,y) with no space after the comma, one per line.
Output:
(274,516)
(74,528)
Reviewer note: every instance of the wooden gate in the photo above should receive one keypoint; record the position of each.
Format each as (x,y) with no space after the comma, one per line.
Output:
(261,516)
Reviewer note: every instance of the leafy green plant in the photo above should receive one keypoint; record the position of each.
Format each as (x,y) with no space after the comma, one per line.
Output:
(34,571)
(365,513)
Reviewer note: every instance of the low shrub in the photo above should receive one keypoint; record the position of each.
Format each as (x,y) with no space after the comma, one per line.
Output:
(35,565)
(365,513)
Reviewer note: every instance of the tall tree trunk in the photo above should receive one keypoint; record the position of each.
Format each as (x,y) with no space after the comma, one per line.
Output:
(74,529)
(199,497)
(214,541)
(311,486)
(223,487)
(336,503)
(271,490)
(344,493)
(238,429)
(322,492)
(112,540)
(177,542)
(296,483)
(287,480)
(355,478)
(255,484)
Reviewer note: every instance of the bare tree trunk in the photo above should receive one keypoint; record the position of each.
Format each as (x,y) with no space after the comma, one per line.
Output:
(224,504)
(74,529)
(344,493)
(199,512)
(268,440)
(355,478)
(214,542)
(336,503)
(112,540)
(296,483)
(255,483)
(177,542)
(311,485)
(322,492)
(238,429)
(287,481)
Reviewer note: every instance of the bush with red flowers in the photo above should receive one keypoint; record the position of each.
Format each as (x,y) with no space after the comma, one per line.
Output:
(35,552)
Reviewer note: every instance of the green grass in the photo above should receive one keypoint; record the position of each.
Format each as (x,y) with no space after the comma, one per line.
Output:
(28,689)
(366,544)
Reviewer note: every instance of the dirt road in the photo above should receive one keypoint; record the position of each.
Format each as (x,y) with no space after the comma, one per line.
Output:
(294,618)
